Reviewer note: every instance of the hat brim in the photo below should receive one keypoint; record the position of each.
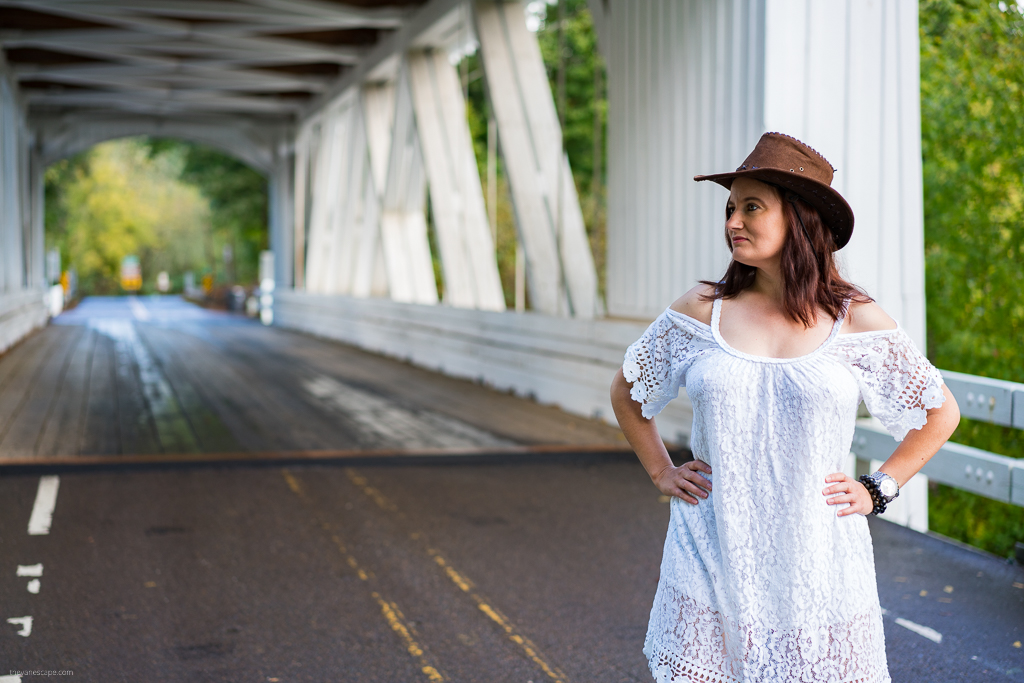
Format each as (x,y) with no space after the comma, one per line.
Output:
(835,212)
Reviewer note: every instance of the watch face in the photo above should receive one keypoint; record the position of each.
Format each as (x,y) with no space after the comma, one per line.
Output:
(888,488)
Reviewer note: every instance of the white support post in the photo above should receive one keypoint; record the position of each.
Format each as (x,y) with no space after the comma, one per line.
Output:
(457,202)
(348,196)
(6,184)
(403,222)
(281,214)
(378,101)
(11,202)
(325,231)
(37,224)
(335,248)
(560,268)
(304,158)
(320,138)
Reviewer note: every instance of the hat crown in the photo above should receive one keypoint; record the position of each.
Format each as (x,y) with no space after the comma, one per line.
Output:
(782,152)
(787,163)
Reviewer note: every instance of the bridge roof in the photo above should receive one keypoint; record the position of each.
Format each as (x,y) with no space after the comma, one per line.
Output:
(261,60)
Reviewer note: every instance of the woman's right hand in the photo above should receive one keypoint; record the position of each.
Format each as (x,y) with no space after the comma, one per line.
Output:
(685,481)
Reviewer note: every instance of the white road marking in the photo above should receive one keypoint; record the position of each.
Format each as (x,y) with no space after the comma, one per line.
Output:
(155,387)
(929,633)
(139,310)
(42,512)
(393,426)
(30,569)
(33,586)
(10,679)
(26,625)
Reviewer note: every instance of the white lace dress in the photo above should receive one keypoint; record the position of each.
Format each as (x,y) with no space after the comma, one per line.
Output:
(762,581)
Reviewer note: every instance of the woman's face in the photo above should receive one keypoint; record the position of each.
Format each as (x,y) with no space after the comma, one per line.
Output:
(754,222)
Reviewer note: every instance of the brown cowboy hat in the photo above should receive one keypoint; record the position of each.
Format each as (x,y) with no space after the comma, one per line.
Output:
(790,164)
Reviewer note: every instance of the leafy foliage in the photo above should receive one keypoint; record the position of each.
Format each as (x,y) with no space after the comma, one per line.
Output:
(113,201)
(972,121)
(237,195)
(173,204)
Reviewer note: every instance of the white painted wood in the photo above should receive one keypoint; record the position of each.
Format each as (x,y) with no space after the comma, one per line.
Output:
(911,181)
(22,302)
(366,220)
(281,214)
(378,101)
(13,205)
(320,207)
(379,110)
(36,276)
(410,270)
(240,136)
(381,63)
(560,269)
(556,360)
(855,99)
(456,196)
(347,190)
(686,96)
(20,313)
(302,192)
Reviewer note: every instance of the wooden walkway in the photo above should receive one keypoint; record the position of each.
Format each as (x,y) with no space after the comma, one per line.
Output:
(139,378)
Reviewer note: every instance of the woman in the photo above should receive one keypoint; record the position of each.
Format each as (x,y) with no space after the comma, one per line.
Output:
(768,572)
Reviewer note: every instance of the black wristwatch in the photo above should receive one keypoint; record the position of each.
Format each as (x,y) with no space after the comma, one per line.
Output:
(883,490)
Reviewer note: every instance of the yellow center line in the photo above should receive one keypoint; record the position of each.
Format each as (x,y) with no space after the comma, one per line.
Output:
(393,616)
(465,585)
(396,620)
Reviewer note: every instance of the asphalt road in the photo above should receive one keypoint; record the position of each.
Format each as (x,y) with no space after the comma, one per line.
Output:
(469,572)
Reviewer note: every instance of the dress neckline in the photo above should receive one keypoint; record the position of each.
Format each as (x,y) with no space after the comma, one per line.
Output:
(716,317)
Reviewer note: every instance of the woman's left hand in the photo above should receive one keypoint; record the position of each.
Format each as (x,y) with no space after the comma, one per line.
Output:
(850,491)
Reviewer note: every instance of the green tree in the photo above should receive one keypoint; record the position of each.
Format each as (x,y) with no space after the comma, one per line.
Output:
(237,196)
(114,201)
(972,130)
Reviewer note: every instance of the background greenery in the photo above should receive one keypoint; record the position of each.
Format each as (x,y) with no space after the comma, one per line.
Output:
(173,204)
(972,133)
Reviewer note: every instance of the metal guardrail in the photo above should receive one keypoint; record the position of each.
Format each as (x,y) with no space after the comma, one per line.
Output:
(994,476)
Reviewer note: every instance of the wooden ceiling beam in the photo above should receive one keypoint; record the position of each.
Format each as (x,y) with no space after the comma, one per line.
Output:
(122,77)
(176,101)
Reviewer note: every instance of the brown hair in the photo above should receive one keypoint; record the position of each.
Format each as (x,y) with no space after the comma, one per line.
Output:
(810,277)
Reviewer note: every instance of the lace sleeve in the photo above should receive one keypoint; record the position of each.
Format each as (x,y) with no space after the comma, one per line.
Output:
(656,363)
(896,381)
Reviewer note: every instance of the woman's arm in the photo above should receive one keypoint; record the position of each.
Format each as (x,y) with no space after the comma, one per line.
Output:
(920,445)
(684,481)
(916,449)
(910,456)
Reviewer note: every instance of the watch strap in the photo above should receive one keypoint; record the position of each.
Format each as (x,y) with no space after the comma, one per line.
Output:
(872,484)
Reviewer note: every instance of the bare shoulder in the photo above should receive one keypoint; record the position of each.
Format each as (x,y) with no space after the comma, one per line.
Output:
(693,305)
(867,317)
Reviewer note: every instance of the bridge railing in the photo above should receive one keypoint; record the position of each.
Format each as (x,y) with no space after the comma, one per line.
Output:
(995,476)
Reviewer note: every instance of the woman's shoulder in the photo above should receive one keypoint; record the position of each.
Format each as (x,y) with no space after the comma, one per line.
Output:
(693,304)
(867,317)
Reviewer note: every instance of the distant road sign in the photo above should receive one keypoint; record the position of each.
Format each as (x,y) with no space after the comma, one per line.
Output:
(131,274)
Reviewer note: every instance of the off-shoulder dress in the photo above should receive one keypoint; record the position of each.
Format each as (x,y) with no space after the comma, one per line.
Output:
(762,581)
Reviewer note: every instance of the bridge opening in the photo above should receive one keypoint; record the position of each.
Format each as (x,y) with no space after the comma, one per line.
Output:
(195,218)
